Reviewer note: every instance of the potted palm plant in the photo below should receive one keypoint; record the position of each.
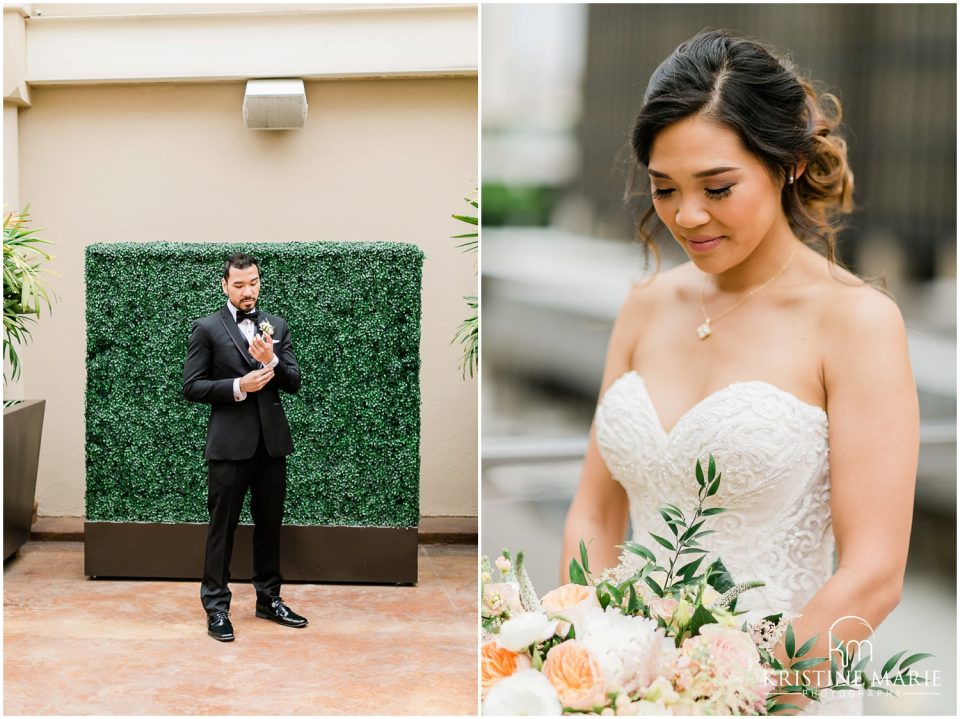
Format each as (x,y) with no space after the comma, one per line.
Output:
(468,333)
(24,294)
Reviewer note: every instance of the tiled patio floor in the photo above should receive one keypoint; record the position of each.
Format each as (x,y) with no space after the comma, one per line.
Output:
(79,646)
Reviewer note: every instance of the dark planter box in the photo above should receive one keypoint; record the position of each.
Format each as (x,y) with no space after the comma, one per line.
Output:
(385,555)
(22,428)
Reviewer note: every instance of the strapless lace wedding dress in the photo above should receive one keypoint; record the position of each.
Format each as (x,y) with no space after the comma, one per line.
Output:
(772,451)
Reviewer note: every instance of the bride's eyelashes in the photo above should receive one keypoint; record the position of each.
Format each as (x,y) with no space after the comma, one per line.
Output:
(712,193)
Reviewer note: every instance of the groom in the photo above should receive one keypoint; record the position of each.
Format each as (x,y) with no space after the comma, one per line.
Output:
(237,361)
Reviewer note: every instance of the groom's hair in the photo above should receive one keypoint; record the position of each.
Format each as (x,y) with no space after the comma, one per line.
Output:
(241,261)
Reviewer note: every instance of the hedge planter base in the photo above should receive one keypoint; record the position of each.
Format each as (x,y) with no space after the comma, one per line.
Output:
(381,555)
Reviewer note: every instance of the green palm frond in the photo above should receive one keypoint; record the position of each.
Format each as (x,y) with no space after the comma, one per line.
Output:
(24,289)
(468,334)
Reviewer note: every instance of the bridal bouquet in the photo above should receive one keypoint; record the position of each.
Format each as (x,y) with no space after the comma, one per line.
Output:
(647,639)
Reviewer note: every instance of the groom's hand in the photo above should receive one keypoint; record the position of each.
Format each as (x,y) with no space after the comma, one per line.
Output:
(261,349)
(255,381)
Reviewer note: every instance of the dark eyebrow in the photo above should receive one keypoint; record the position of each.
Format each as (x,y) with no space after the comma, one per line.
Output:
(704,173)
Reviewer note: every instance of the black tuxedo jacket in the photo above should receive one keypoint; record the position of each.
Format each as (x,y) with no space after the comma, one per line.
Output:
(218,354)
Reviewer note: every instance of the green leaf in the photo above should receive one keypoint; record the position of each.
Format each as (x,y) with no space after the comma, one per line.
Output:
(691,531)
(712,469)
(576,574)
(470,220)
(807,663)
(662,541)
(891,663)
(583,557)
(688,570)
(712,511)
(719,578)
(700,617)
(913,660)
(673,509)
(861,665)
(654,586)
(670,521)
(537,661)
(790,644)
(640,550)
(633,604)
(784,708)
(714,487)
(806,647)
(616,593)
(699,473)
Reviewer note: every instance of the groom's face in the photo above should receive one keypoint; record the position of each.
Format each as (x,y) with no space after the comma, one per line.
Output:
(242,287)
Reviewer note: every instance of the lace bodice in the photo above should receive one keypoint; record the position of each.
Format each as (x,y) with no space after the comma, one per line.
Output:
(772,451)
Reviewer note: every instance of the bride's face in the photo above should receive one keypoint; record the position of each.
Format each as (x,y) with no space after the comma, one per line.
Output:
(716,198)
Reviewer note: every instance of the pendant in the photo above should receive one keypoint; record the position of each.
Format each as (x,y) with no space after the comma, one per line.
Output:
(704,330)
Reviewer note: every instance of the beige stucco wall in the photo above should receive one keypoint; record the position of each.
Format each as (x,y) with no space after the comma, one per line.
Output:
(378,160)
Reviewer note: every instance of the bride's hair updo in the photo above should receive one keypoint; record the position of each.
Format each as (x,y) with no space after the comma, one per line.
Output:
(778,116)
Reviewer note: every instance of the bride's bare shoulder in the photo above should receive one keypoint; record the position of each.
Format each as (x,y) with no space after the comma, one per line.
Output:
(658,289)
(856,316)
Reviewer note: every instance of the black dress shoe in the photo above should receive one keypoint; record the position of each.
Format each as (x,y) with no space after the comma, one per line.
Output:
(280,613)
(219,626)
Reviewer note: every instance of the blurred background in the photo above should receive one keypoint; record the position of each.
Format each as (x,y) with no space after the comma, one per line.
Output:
(560,87)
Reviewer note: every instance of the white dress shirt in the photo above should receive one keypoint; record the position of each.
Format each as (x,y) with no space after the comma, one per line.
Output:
(249,330)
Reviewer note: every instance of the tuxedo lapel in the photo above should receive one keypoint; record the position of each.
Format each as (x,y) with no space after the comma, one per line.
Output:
(230,325)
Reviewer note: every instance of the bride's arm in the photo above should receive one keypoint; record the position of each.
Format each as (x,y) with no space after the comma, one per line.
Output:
(874,440)
(598,514)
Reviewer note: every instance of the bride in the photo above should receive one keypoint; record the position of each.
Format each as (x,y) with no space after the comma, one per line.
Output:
(760,350)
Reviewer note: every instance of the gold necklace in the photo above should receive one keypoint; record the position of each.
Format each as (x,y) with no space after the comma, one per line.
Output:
(704,331)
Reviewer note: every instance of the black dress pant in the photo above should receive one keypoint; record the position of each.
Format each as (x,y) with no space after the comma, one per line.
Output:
(227,482)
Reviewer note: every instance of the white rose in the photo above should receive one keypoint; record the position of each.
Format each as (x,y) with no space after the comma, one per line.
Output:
(520,632)
(526,693)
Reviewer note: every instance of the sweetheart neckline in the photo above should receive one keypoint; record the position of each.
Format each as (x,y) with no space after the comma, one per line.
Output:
(819,410)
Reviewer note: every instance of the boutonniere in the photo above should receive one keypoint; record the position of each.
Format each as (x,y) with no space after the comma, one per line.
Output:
(266,328)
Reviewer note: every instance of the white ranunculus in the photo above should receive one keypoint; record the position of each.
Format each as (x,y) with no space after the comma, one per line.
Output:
(526,693)
(520,632)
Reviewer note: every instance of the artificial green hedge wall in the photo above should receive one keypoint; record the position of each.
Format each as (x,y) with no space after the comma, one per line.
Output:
(354,316)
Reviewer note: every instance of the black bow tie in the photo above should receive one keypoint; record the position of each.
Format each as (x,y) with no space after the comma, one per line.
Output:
(252,316)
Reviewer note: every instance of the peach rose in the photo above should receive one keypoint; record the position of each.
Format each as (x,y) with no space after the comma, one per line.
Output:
(497,662)
(562,599)
(575,675)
